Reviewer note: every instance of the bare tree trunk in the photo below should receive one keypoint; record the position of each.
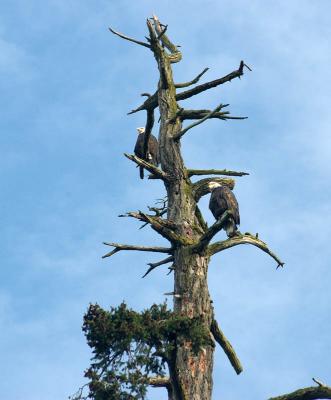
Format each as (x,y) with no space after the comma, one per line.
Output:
(193,372)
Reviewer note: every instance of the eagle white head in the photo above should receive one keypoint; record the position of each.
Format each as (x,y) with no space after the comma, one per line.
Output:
(213,185)
(141,130)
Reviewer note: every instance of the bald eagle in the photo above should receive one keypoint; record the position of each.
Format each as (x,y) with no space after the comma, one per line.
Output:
(222,199)
(152,150)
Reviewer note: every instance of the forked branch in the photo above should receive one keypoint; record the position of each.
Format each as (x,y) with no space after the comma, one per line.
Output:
(247,238)
(158,173)
(226,346)
(157,264)
(162,226)
(152,102)
(205,86)
(118,247)
(207,116)
(200,188)
(129,39)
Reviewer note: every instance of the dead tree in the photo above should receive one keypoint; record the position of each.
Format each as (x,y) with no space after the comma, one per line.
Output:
(181,223)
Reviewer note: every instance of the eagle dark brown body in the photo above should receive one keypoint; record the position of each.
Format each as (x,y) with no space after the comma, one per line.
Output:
(222,199)
(152,155)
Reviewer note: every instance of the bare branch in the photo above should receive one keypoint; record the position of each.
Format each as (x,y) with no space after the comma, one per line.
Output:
(225,172)
(159,211)
(226,346)
(150,167)
(119,247)
(247,238)
(149,104)
(309,393)
(211,232)
(157,215)
(207,116)
(201,88)
(198,114)
(175,55)
(226,117)
(319,383)
(157,264)
(200,188)
(193,81)
(129,39)
(164,227)
(159,381)
(153,102)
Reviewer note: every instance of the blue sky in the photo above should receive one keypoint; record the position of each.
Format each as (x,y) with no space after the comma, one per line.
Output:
(66,86)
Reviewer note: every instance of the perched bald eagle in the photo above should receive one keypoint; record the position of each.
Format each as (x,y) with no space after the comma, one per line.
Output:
(222,199)
(152,150)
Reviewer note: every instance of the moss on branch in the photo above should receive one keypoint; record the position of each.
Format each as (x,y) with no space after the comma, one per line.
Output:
(308,393)
(247,238)
(226,172)
(226,346)
(200,188)
(158,173)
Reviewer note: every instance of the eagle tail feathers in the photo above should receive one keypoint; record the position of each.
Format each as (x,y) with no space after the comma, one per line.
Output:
(141,172)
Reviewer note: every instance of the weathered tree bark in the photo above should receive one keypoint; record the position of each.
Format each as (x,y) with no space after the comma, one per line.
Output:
(190,371)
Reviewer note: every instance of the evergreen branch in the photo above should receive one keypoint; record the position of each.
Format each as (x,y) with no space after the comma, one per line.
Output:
(200,188)
(211,232)
(193,81)
(310,393)
(200,121)
(157,264)
(247,238)
(191,172)
(201,88)
(129,39)
(226,346)
(118,247)
(158,173)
